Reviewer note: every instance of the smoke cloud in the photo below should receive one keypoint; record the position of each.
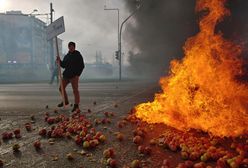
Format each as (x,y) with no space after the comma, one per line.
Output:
(162,26)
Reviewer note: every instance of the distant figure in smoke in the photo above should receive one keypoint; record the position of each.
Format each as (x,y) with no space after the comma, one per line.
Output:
(73,64)
(54,74)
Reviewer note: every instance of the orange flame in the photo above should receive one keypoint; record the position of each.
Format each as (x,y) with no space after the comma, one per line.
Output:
(201,91)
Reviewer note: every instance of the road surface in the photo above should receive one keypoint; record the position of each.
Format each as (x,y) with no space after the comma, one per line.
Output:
(20,101)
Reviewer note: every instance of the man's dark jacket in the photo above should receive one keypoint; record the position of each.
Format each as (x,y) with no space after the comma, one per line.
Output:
(73,64)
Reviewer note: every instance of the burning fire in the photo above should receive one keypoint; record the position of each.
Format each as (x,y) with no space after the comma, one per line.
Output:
(202,91)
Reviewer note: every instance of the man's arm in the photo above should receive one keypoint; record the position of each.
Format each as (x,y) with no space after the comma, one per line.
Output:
(61,63)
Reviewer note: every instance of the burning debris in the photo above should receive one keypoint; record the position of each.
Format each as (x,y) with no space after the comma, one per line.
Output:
(202,90)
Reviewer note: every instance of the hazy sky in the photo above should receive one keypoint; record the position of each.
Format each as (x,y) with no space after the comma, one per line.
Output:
(86,22)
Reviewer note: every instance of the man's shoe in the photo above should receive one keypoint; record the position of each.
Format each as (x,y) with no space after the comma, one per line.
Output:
(75,108)
(62,104)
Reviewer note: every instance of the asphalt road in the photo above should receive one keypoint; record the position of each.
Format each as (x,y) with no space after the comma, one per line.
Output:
(20,101)
(24,99)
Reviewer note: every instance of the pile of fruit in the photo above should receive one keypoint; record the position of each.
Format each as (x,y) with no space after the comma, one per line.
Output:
(76,127)
(197,150)
(204,149)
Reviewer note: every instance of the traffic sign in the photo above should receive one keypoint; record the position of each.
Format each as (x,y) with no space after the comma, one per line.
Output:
(56,28)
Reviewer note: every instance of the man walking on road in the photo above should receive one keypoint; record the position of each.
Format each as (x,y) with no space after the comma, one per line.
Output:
(55,74)
(73,64)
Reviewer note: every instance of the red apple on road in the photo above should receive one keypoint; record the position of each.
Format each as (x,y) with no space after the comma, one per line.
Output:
(78,140)
(86,144)
(7,135)
(43,132)
(37,145)
(106,154)
(199,165)
(148,150)
(189,163)
(119,136)
(17,131)
(102,138)
(184,155)
(137,140)
(28,126)
(109,153)
(106,114)
(112,162)
(135,164)
(141,149)
(50,120)
(152,142)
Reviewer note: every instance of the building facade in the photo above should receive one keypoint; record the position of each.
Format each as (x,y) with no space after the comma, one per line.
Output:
(23,45)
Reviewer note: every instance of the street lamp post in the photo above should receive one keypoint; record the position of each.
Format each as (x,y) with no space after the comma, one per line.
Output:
(120,44)
(118,52)
(51,43)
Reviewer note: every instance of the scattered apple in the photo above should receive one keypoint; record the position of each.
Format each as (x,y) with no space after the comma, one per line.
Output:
(205,157)
(109,153)
(16,147)
(50,120)
(135,164)
(7,135)
(119,136)
(37,145)
(43,132)
(153,142)
(86,144)
(102,138)
(189,163)
(112,162)
(137,140)
(141,149)
(199,165)
(17,131)
(148,150)
(28,127)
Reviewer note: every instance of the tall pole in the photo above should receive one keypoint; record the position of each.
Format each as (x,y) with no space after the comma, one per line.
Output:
(51,12)
(51,42)
(118,36)
(120,43)
(52,56)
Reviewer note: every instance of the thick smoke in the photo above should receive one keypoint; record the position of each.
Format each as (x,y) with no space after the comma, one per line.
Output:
(160,30)
(162,27)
